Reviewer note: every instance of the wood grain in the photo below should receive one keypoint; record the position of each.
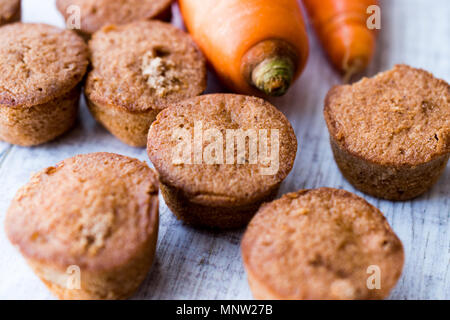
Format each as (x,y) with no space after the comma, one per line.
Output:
(196,264)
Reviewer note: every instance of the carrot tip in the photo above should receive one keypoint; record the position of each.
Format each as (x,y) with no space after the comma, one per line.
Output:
(356,66)
(274,76)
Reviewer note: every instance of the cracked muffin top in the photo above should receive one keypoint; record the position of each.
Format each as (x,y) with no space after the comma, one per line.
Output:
(319,244)
(97,13)
(144,65)
(8,8)
(38,63)
(213,168)
(398,117)
(94,210)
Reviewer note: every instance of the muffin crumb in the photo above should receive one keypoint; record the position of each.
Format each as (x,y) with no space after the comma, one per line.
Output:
(161,74)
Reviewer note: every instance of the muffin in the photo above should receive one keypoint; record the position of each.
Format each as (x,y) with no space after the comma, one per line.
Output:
(41,70)
(9,11)
(137,70)
(321,244)
(97,13)
(220,156)
(390,134)
(97,213)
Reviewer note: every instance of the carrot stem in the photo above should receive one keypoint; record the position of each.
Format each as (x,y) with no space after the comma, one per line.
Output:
(274,75)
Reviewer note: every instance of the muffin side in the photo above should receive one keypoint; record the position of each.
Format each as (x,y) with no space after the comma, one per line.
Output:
(95,212)
(211,214)
(130,128)
(388,182)
(127,88)
(40,123)
(390,134)
(321,244)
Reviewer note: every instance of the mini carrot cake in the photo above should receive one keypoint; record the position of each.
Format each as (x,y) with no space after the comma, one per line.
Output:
(137,70)
(390,134)
(41,70)
(220,156)
(88,226)
(9,11)
(94,14)
(321,244)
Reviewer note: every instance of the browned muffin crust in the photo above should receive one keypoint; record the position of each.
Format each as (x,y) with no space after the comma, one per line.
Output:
(219,195)
(39,63)
(96,211)
(42,67)
(319,244)
(137,70)
(10,11)
(97,13)
(390,134)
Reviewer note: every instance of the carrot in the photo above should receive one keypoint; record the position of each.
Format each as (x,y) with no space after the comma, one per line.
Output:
(342,28)
(254,45)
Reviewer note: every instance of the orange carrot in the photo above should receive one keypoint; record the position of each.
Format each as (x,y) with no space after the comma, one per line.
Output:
(254,45)
(342,28)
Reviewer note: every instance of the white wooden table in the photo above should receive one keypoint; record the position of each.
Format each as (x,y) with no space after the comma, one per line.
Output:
(196,264)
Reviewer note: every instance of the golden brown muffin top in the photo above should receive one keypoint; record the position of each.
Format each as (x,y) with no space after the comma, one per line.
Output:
(38,63)
(318,244)
(8,8)
(94,210)
(228,182)
(144,65)
(398,117)
(97,13)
